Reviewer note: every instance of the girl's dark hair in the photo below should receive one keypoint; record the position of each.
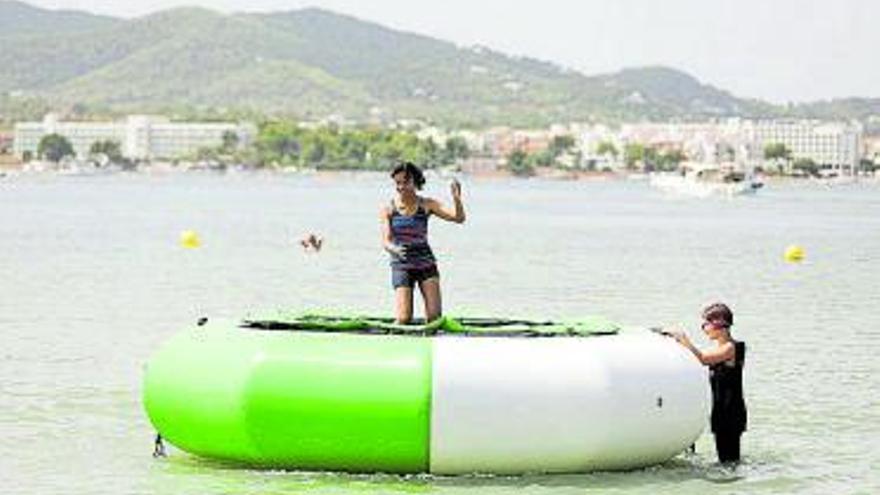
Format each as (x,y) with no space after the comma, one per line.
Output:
(719,314)
(411,172)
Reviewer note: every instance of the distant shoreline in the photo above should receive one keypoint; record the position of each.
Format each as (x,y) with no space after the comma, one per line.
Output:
(160,169)
(8,171)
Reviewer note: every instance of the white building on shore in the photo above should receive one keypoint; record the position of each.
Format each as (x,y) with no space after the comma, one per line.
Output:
(141,137)
(834,145)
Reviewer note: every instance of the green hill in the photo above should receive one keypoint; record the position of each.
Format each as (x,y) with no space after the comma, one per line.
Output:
(18,18)
(311,63)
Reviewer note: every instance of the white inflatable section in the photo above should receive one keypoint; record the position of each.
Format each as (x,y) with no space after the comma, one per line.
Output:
(560,404)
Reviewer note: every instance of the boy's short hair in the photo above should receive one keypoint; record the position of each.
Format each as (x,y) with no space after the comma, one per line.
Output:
(719,314)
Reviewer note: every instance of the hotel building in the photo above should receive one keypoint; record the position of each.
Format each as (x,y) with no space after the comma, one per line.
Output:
(140,137)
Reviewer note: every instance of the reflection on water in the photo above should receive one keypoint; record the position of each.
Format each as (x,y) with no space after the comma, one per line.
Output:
(696,472)
(93,279)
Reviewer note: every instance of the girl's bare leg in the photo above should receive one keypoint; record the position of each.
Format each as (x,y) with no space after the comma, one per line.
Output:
(431,294)
(403,304)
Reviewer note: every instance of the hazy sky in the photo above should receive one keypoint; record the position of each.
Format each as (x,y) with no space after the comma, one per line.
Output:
(779,50)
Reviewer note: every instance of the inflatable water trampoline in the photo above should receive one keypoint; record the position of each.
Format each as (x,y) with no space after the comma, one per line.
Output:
(459,395)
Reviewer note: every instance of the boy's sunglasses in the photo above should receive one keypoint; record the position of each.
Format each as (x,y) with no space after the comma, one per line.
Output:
(708,324)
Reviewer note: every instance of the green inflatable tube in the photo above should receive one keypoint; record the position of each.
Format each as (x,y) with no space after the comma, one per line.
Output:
(342,393)
(346,402)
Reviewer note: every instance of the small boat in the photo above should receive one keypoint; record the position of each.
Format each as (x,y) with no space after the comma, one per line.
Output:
(455,396)
(706,180)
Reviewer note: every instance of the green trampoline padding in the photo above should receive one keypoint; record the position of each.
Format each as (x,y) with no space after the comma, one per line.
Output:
(445,325)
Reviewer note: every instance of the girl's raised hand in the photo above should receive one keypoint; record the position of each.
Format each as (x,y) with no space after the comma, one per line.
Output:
(455,188)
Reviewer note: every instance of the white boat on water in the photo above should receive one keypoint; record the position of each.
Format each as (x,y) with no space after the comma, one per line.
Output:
(706,180)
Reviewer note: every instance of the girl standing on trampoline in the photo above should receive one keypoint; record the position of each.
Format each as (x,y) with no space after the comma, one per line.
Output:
(404,225)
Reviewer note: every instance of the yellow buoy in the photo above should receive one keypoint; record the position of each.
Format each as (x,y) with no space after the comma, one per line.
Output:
(794,254)
(189,239)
